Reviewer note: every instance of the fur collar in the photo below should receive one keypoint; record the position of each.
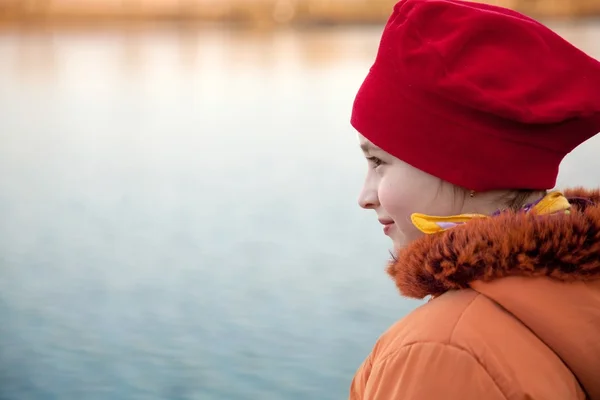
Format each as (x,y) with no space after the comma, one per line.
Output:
(565,247)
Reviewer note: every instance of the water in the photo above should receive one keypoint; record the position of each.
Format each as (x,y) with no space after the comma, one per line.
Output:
(179,214)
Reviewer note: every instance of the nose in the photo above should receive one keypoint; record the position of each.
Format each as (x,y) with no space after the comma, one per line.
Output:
(368,197)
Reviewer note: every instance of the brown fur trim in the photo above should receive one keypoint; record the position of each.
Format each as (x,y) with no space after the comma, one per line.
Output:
(565,247)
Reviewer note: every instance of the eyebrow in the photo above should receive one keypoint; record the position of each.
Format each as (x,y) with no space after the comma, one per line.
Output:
(367,147)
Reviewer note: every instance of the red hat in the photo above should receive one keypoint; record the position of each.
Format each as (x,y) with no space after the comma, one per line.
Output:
(480,96)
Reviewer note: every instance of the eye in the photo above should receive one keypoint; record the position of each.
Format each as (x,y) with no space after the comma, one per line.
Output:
(374,161)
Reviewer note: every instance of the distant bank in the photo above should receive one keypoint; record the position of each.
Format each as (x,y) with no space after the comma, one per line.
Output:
(261,13)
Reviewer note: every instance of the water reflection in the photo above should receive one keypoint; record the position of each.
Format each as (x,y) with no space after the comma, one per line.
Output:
(37,50)
(34,51)
(35,57)
(131,51)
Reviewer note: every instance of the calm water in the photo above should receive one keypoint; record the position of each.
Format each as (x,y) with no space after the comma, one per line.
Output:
(179,215)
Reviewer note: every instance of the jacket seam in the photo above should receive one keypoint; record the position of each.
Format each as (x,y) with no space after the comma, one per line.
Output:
(516,318)
(450,337)
(451,345)
(462,314)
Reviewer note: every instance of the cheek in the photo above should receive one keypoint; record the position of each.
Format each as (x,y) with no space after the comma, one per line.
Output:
(399,202)
(404,191)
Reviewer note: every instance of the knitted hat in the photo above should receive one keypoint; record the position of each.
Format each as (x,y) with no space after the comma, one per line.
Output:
(480,96)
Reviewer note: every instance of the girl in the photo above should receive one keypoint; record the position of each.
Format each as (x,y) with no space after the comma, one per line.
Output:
(464,119)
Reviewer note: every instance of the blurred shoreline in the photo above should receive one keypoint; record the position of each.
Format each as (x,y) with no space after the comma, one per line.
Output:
(247,13)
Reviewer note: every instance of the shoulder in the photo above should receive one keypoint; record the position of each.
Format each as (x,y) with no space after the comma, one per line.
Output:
(462,333)
(441,320)
(433,323)
(419,355)
(465,320)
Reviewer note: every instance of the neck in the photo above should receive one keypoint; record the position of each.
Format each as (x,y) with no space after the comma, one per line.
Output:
(488,203)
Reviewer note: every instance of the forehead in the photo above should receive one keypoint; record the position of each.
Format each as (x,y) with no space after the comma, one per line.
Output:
(366,145)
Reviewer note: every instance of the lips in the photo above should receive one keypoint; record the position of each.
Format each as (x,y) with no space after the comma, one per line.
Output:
(387,225)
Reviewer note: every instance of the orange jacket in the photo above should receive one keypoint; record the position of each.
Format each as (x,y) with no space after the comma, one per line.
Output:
(515,313)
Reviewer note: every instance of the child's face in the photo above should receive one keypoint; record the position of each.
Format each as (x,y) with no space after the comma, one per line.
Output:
(395,190)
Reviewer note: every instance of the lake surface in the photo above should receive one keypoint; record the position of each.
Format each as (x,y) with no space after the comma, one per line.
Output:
(179,215)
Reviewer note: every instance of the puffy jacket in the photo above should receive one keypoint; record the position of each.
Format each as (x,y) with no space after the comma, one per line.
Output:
(514,314)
